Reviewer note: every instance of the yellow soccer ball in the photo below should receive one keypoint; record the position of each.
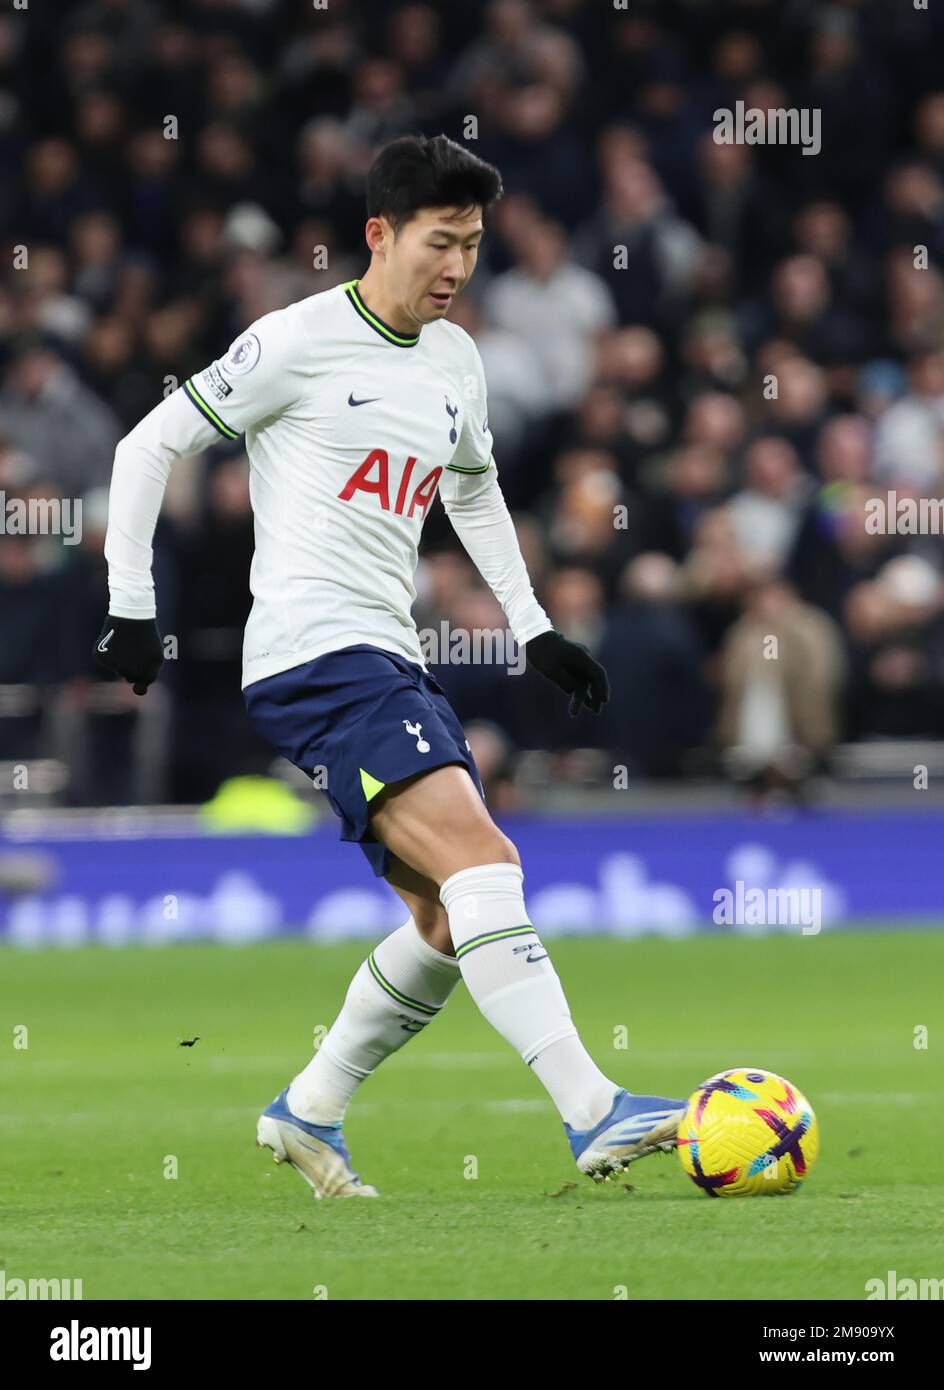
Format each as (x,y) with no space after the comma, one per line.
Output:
(747,1133)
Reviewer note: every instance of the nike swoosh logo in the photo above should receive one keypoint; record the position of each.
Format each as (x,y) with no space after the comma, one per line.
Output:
(103,644)
(368,401)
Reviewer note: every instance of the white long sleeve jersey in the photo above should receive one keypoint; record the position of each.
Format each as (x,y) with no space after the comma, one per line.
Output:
(351,429)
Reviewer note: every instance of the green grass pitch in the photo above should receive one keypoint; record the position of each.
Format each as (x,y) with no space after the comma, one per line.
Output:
(104,1093)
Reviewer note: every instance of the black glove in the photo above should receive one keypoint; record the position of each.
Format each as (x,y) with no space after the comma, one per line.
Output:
(569,665)
(132,648)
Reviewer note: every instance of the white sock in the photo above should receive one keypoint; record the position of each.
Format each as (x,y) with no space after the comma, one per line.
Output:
(397,990)
(510,976)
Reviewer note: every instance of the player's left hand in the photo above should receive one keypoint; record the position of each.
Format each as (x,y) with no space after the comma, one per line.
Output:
(131,648)
(570,666)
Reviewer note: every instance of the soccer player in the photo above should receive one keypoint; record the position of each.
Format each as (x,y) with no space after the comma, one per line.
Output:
(358,405)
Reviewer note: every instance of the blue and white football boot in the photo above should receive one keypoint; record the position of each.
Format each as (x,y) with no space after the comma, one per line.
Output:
(318,1152)
(633,1127)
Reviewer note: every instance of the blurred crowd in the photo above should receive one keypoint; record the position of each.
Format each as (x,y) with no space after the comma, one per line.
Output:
(703,359)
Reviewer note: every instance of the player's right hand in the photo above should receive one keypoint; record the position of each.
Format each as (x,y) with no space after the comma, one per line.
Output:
(131,648)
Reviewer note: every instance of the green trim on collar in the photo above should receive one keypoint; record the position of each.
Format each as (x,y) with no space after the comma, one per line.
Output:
(378,325)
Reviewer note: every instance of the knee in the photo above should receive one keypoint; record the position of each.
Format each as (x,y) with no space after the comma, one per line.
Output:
(508,851)
(488,845)
(496,848)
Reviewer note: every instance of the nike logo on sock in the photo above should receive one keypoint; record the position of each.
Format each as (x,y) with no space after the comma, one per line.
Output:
(530,958)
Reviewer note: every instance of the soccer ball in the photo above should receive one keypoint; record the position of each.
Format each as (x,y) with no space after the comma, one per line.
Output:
(747,1133)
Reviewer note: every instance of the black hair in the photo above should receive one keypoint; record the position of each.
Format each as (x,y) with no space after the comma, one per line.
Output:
(418,172)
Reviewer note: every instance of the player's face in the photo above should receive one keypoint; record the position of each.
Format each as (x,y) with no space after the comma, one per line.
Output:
(433,259)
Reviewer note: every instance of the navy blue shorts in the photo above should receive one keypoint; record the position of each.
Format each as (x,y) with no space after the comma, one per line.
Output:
(368,718)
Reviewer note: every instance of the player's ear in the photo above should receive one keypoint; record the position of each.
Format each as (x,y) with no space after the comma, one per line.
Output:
(377,235)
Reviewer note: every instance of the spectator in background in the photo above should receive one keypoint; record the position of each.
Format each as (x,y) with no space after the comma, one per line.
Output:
(895,623)
(797,405)
(909,441)
(642,251)
(833,548)
(652,653)
(736,209)
(601,422)
(844,450)
(767,510)
(47,410)
(48,307)
(592,526)
(539,152)
(33,614)
(381,109)
(713,577)
(415,44)
(633,362)
(116,369)
(781,673)
(493,752)
(96,246)
(912,213)
(822,230)
(324,186)
(557,308)
(53,193)
(914,305)
(801,311)
(33,637)
(500,57)
(153,191)
(717,422)
(712,352)
(101,123)
(877,385)
(227,169)
(694,479)
(837,69)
